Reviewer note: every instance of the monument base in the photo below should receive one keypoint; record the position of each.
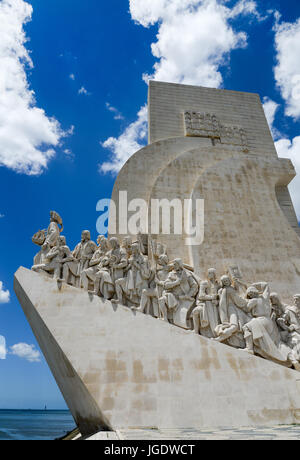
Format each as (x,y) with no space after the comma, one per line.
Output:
(121,369)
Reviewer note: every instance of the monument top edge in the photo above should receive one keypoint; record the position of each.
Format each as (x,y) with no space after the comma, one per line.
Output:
(159,83)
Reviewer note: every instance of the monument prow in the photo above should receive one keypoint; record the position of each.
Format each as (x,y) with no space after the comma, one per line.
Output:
(83,407)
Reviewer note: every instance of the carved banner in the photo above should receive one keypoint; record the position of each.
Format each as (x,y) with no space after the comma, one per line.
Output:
(199,124)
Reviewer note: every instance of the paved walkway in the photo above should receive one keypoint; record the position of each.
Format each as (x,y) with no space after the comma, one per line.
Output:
(289,432)
(283,432)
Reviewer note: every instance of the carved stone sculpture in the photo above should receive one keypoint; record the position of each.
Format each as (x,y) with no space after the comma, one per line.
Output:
(54,229)
(88,275)
(278,310)
(261,333)
(53,260)
(153,292)
(127,245)
(230,312)
(39,239)
(232,316)
(206,316)
(82,256)
(50,262)
(65,254)
(137,277)
(291,319)
(110,270)
(178,296)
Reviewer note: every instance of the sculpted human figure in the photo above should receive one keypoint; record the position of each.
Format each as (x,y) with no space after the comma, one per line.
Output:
(278,308)
(261,332)
(104,285)
(206,314)
(137,277)
(88,275)
(162,273)
(179,286)
(127,245)
(151,294)
(291,323)
(292,316)
(82,256)
(55,258)
(49,262)
(39,239)
(53,230)
(237,280)
(232,316)
(47,239)
(65,254)
(110,270)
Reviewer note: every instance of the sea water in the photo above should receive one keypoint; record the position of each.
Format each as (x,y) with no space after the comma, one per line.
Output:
(35,424)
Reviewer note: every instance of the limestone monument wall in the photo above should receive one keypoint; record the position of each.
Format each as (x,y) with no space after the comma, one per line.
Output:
(121,369)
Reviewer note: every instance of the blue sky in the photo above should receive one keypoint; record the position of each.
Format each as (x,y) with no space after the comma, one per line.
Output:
(88,64)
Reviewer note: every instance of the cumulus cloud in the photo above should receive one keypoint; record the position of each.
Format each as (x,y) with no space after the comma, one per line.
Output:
(4,295)
(287,69)
(194,40)
(117,114)
(1,215)
(133,139)
(25,351)
(271,108)
(291,149)
(194,37)
(285,149)
(287,77)
(2,347)
(84,91)
(27,136)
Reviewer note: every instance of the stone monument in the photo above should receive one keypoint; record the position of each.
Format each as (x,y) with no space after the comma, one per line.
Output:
(139,330)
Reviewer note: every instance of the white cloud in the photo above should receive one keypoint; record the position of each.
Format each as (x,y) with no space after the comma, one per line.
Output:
(84,91)
(194,37)
(25,351)
(194,40)
(117,114)
(2,347)
(291,149)
(270,108)
(133,138)
(287,69)
(72,76)
(70,131)
(27,135)
(1,216)
(4,295)
(287,77)
(248,7)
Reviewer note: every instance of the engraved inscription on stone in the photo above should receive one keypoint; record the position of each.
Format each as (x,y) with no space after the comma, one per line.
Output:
(199,124)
